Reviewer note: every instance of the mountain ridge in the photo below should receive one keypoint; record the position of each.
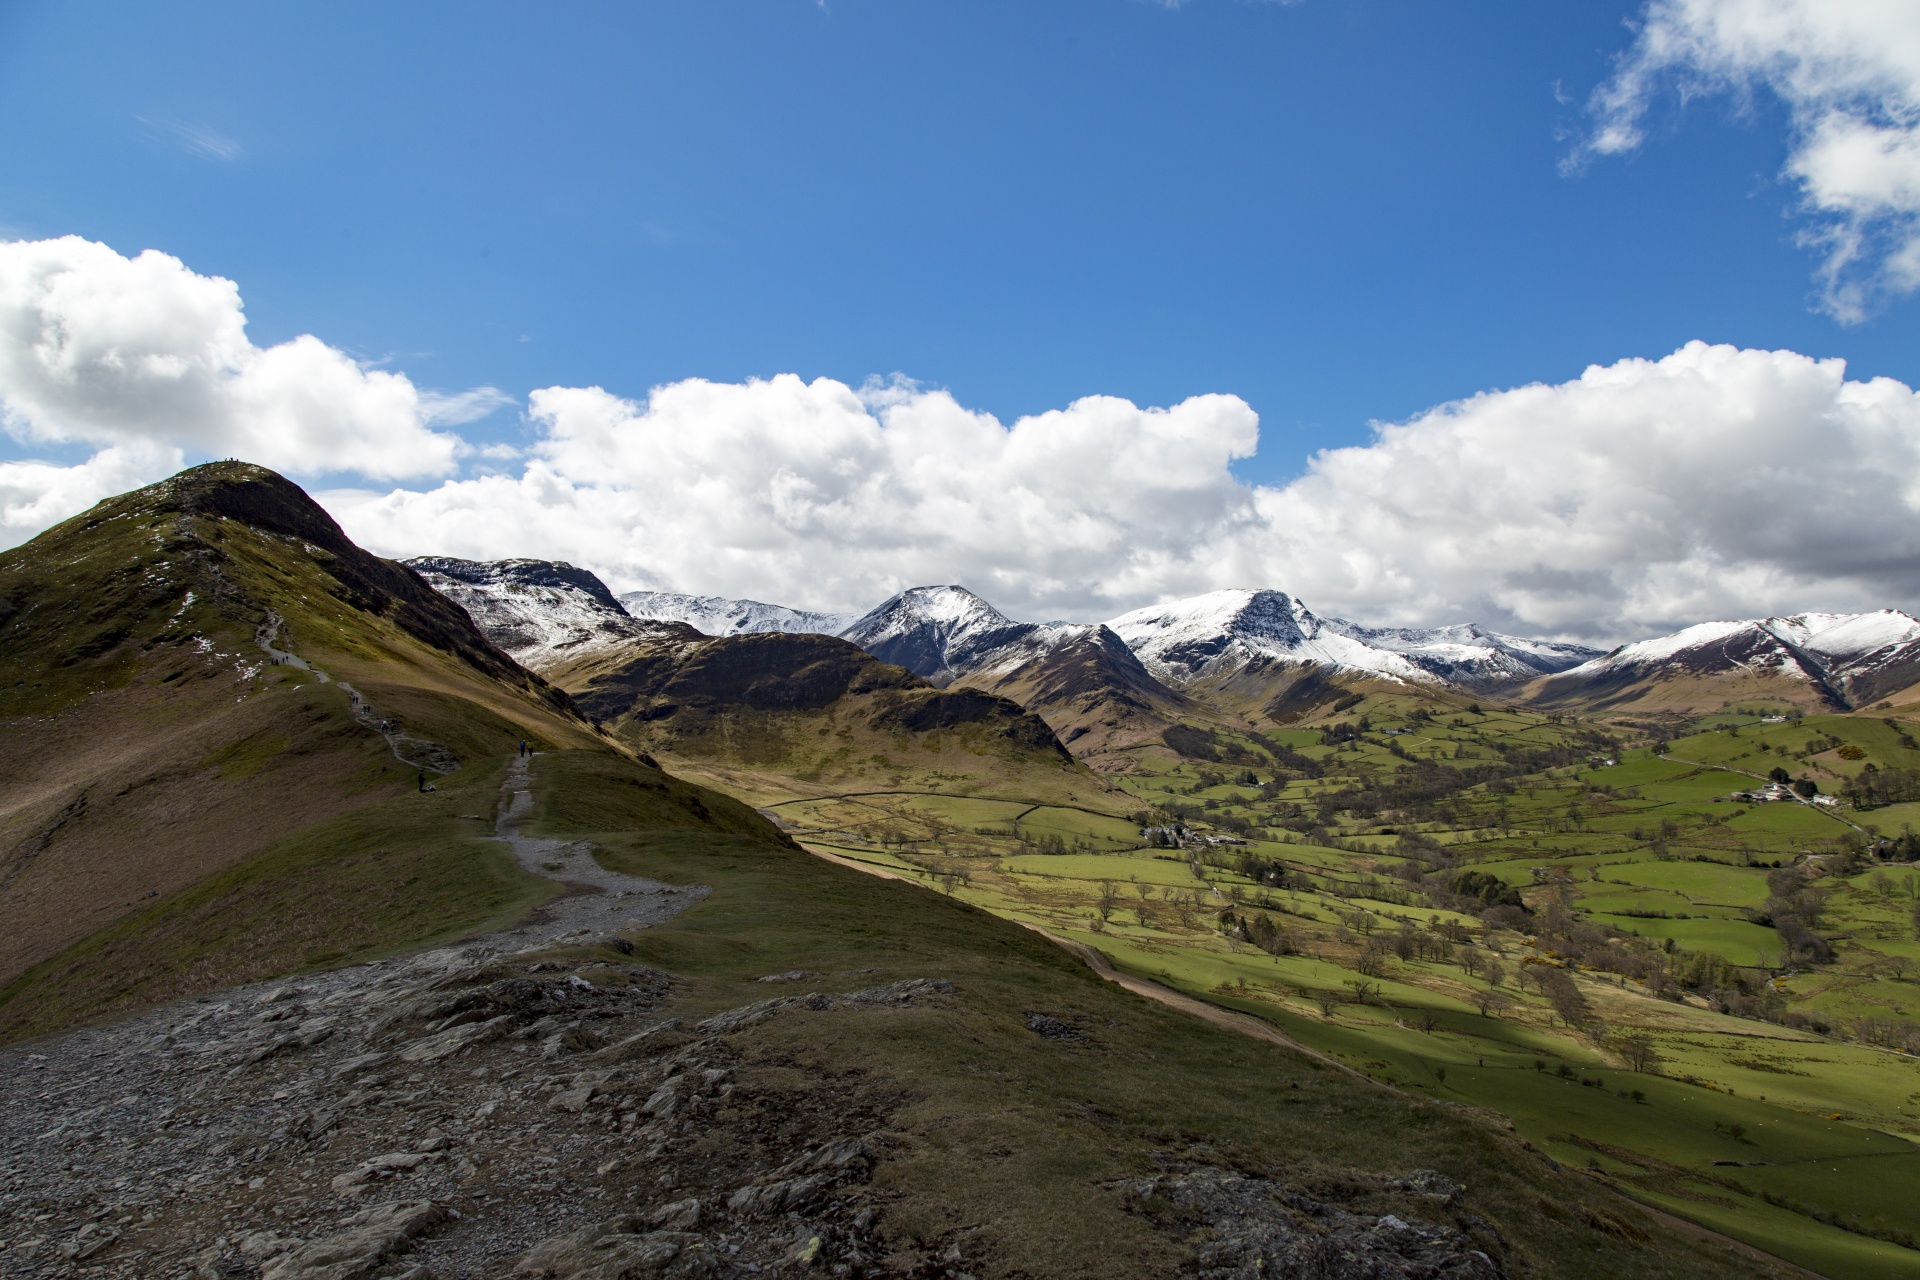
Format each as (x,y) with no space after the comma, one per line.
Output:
(1810,660)
(195,669)
(720,616)
(1251,653)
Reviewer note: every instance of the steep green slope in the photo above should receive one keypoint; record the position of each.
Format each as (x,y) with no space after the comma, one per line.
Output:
(395,873)
(194,670)
(1515,911)
(1094,694)
(1017,1113)
(816,712)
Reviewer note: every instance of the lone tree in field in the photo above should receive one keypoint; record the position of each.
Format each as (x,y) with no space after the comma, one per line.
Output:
(1564,996)
(1490,1003)
(1639,1053)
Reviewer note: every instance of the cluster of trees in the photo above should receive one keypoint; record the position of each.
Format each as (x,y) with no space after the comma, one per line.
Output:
(1285,757)
(1486,889)
(1569,1003)
(1269,871)
(1259,929)
(1421,788)
(1873,787)
(1197,743)
(1338,735)
(1889,1034)
(1793,908)
(1904,847)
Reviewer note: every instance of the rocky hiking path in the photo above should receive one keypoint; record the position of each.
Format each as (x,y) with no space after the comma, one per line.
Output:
(420,754)
(493,1108)
(603,901)
(520,1105)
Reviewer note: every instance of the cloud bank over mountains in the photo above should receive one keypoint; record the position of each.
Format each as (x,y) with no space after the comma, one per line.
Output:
(148,363)
(1714,482)
(780,489)
(1848,72)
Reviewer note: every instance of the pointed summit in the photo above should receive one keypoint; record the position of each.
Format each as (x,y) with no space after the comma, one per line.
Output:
(543,612)
(225,668)
(1217,634)
(941,633)
(1811,660)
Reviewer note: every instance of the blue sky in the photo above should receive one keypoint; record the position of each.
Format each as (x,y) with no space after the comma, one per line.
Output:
(1340,210)
(1155,274)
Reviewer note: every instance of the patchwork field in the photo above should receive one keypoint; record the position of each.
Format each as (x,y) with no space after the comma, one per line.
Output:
(1416,896)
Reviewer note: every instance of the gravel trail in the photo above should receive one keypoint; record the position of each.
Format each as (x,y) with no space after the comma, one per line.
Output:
(138,1146)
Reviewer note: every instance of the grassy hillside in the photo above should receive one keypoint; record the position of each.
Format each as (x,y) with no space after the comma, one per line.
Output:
(1415,893)
(1011,1144)
(197,669)
(1679,693)
(404,872)
(1094,694)
(813,715)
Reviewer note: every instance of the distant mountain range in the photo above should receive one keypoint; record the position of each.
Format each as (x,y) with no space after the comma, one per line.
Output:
(1816,661)
(719,616)
(1259,655)
(949,632)
(767,689)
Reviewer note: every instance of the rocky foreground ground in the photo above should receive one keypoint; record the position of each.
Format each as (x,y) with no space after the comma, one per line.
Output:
(525,1105)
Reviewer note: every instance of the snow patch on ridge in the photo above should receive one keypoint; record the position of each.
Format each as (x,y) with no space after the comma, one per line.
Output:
(1838,647)
(1223,631)
(719,616)
(1853,635)
(539,611)
(1469,654)
(945,632)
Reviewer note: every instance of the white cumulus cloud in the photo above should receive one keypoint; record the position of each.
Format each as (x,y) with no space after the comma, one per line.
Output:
(783,488)
(1849,73)
(1645,494)
(148,362)
(1713,483)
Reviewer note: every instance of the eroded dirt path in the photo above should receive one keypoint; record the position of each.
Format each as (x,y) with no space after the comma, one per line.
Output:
(418,753)
(200,1138)
(602,901)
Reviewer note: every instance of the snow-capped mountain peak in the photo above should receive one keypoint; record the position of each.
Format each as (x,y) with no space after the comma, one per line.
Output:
(540,611)
(1855,656)
(1222,631)
(719,616)
(952,611)
(944,632)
